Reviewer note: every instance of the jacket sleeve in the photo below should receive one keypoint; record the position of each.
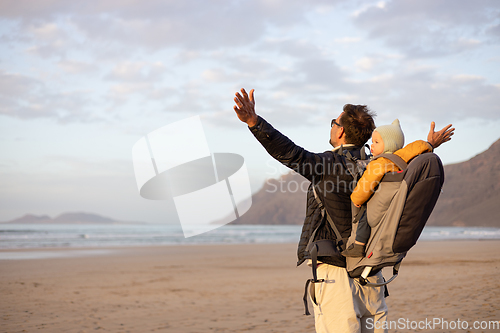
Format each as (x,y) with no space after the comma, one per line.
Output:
(376,169)
(308,164)
(374,172)
(413,149)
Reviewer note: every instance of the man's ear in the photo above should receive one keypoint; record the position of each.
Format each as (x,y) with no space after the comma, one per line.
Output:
(340,132)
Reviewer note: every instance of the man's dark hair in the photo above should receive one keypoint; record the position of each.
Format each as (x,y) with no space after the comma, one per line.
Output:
(358,124)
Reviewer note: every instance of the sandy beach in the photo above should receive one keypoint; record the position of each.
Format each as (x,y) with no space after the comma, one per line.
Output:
(229,288)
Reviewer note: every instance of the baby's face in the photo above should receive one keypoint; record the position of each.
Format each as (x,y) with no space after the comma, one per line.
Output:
(377,146)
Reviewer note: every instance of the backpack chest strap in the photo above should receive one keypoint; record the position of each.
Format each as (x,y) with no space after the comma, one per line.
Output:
(400,163)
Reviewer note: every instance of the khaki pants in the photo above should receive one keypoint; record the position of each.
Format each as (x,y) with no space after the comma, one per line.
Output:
(344,306)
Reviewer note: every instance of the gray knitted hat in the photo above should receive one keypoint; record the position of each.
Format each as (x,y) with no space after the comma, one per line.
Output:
(392,135)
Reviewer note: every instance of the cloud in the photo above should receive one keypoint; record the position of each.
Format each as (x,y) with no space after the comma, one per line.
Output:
(422,93)
(317,87)
(291,47)
(367,63)
(430,28)
(77,67)
(45,39)
(107,53)
(347,40)
(137,72)
(300,66)
(26,97)
(216,75)
(16,95)
(156,24)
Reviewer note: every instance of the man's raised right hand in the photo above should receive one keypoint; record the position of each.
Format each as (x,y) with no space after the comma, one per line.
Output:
(245,107)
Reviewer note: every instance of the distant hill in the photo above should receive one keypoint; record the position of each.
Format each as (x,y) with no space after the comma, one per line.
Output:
(66,218)
(280,201)
(471,194)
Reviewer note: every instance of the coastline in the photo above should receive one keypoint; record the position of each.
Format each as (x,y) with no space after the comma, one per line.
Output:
(230,288)
(46,236)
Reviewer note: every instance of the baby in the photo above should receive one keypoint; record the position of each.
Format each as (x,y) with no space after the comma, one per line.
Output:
(385,139)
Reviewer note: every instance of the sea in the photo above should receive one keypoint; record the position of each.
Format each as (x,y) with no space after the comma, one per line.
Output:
(40,236)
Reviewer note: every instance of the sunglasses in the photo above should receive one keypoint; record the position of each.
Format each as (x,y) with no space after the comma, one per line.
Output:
(334,122)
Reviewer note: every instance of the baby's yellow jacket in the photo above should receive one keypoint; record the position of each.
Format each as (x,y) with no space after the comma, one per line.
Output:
(376,169)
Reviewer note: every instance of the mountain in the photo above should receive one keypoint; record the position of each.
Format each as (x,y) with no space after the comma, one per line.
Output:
(66,218)
(471,194)
(280,201)
(29,219)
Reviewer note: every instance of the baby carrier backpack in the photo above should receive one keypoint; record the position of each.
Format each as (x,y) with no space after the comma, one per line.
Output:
(396,212)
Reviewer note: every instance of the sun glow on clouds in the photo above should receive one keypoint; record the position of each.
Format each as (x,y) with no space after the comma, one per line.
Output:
(366,7)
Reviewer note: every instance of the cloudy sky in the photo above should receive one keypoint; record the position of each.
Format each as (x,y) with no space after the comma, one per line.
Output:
(82,81)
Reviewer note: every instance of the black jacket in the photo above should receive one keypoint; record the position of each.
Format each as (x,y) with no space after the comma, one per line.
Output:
(333,182)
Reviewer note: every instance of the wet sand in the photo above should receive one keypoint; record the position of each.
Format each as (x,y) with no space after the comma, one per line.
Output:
(227,288)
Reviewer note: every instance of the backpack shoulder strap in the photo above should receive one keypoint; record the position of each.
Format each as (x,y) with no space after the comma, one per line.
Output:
(394,159)
(324,211)
(363,152)
(355,166)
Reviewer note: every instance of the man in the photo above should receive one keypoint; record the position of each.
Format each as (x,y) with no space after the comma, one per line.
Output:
(342,304)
